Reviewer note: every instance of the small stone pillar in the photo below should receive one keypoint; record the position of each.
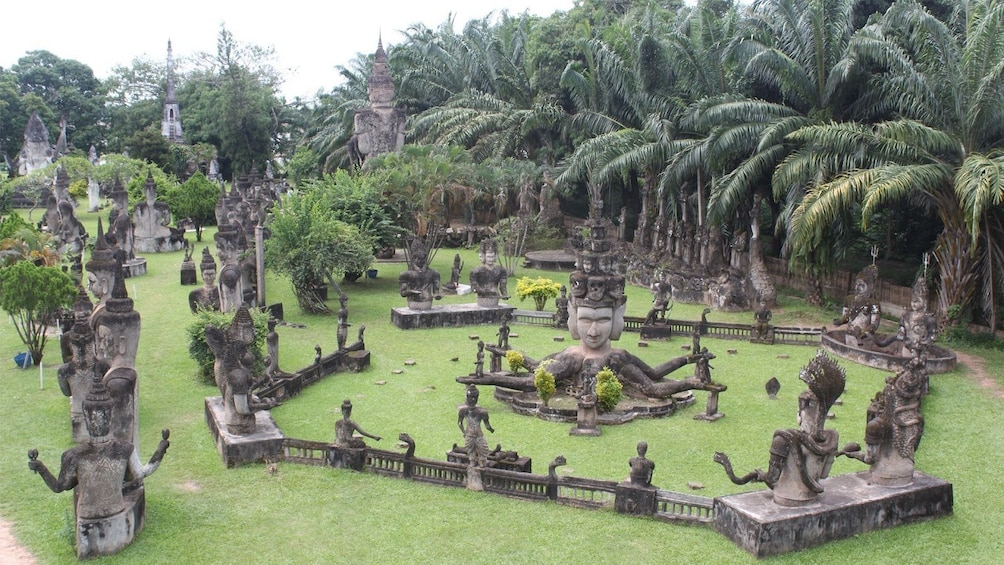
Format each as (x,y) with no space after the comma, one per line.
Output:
(585,420)
(711,412)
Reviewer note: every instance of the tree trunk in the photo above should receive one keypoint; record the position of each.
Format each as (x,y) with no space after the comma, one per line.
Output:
(957,284)
(758,275)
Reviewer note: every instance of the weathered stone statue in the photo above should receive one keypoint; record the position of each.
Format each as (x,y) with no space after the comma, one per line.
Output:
(561,311)
(799,458)
(862,313)
(420,284)
(151,221)
(120,228)
(488,280)
(207,297)
(231,278)
(470,417)
(37,152)
(918,328)
(596,317)
(662,302)
(108,510)
(379,128)
(642,468)
(763,331)
(346,428)
(233,371)
(894,427)
(76,375)
(272,347)
(458,265)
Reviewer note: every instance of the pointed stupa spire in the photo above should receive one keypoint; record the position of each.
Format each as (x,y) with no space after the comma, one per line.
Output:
(381,85)
(170,126)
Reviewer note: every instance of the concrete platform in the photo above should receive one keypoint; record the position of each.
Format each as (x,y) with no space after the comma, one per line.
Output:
(849,506)
(449,316)
(264,444)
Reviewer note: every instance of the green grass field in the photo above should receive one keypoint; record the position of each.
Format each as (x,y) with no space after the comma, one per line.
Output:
(199,511)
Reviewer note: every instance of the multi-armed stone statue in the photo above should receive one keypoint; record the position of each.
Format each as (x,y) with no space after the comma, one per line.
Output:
(420,284)
(488,280)
(596,317)
(894,427)
(862,313)
(800,457)
(106,473)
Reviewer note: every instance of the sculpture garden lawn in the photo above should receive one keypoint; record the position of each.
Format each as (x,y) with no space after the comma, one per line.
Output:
(197,510)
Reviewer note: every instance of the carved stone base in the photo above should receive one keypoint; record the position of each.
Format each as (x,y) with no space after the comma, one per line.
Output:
(450,316)
(134,268)
(634,499)
(849,506)
(189,275)
(109,535)
(264,444)
(656,331)
(347,458)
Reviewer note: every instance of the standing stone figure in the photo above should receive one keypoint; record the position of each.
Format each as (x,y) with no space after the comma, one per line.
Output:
(458,265)
(470,416)
(894,427)
(108,511)
(662,301)
(488,280)
(800,458)
(420,284)
(561,312)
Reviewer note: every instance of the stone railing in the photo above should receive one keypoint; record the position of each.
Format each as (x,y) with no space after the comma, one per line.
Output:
(570,491)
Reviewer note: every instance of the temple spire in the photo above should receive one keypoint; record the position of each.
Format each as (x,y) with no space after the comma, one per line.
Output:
(170,126)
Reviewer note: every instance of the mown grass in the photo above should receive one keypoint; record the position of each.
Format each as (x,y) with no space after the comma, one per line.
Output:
(199,511)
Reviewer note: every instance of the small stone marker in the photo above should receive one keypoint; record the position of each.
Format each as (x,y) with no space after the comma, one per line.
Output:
(783,356)
(732,351)
(685,347)
(455,359)
(642,344)
(559,338)
(473,337)
(397,372)
(381,383)
(695,486)
(513,335)
(409,362)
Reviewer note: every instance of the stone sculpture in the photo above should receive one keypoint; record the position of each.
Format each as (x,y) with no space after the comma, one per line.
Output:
(561,305)
(420,284)
(75,376)
(345,429)
(800,458)
(380,127)
(120,227)
(108,510)
(596,317)
(233,372)
(470,417)
(488,280)
(862,313)
(763,331)
(151,221)
(207,297)
(642,468)
(231,278)
(662,302)
(458,265)
(894,427)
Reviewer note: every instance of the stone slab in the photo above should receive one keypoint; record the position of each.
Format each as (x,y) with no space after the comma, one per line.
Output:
(264,444)
(849,506)
(657,331)
(449,316)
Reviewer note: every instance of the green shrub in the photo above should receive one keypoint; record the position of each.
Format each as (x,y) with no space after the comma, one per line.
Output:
(515,360)
(608,389)
(543,381)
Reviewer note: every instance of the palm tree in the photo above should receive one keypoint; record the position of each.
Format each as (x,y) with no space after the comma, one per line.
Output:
(947,83)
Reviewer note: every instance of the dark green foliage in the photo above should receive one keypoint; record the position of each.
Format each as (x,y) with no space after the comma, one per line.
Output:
(199,350)
(194,199)
(33,297)
(357,202)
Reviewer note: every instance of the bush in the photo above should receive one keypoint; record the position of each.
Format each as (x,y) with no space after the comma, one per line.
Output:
(543,381)
(515,360)
(541,289)
(199,350)
(608,389)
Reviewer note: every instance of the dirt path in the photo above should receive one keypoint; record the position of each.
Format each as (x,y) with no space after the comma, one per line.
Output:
(978,371)
(11,552)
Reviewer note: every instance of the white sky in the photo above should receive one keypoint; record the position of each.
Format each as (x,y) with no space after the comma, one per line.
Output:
(309,39)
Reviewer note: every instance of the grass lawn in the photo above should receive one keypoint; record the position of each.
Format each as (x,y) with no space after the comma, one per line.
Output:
(199,511)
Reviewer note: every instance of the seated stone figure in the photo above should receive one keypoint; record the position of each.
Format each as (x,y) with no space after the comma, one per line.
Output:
(345,429)
(488,280)
(642,467)
(862,313)
(800,458)
(420,284)
(107,509)
(895,426)
(763,332)
(151,221)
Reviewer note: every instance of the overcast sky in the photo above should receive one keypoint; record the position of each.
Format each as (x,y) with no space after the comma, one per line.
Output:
(309,39)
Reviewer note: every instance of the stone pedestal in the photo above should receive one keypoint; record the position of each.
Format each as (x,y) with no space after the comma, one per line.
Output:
(849,506)
(635,499)
(188,275)
(347,458)
(452,315)
(111,534)
(711,412)
(656,331)
(134,268)
(261,445)
(585,420)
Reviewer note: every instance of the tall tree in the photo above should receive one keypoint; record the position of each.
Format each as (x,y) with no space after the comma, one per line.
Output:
(943,154)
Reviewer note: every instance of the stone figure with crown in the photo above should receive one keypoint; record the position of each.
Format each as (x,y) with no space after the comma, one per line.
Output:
(420,284)
(233,370)
(488,280)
